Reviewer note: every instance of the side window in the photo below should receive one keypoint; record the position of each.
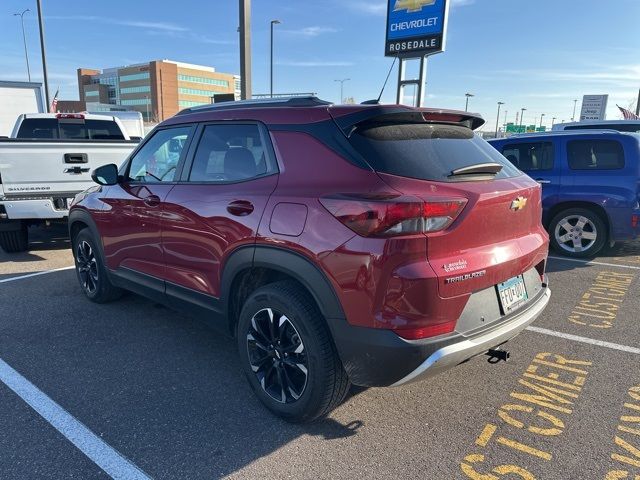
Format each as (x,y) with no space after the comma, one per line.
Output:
(157,160)
(230,153)
(530,156)
(595,155)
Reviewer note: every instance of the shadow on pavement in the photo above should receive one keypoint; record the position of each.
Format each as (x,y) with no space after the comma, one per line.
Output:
(164,389)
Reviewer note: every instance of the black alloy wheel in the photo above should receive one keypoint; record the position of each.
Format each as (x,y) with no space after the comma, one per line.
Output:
(91,270)
(287,353)
(87,267)
(277,355)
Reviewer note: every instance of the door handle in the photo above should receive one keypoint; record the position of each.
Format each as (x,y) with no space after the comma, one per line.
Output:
(76,158)
(151,201)
(542,181)
(240,208)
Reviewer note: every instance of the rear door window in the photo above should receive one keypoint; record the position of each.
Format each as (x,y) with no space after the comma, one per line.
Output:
(530,156)
(231,153)
(425,151)
(595,155)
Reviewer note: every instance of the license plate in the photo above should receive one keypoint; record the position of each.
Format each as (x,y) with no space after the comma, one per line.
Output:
(513,294)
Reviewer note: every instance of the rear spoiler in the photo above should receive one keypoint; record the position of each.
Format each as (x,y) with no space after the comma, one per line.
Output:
(399,114)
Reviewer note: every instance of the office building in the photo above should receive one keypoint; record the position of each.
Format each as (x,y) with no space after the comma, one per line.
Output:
(158,89)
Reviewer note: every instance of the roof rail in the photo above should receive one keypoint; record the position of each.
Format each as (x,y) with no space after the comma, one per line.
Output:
(584,131)
(308,101)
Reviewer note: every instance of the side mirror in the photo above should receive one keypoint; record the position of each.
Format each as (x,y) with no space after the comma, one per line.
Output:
(105,175)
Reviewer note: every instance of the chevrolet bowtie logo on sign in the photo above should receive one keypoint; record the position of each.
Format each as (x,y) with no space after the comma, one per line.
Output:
(412,5)
(518,204)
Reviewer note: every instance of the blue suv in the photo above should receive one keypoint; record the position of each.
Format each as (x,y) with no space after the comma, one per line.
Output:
(590,185)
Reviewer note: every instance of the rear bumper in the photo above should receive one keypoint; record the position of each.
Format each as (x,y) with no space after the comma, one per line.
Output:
(379,358)
(452,355)
(32,209)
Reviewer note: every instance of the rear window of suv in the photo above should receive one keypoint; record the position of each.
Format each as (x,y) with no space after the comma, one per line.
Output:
(69,129)
(425,151)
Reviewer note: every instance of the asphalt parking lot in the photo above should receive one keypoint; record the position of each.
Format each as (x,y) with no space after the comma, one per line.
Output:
(149,392)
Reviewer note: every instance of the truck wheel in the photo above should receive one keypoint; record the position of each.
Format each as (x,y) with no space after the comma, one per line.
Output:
(287,353)
(578,233)
(15,240)
(91,269)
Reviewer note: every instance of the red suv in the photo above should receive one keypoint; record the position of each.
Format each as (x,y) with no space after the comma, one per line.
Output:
(365,244)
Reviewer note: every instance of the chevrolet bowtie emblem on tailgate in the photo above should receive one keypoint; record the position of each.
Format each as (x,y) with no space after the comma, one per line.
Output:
(518,204)
(412,5)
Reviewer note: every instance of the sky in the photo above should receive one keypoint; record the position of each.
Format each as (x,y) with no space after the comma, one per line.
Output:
(533,54)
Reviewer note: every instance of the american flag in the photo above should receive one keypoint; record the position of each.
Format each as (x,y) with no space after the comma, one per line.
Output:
(628,114)
(54,103)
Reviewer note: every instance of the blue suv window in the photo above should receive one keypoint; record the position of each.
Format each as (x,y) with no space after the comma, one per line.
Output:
(595,155)
(530,156)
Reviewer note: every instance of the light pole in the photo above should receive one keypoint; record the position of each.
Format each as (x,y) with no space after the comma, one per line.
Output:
(273,22)
(44,58)
(541,117)
(498,117)
(553,121)
(245,49)
(575,103)
(468,95)
(522,118)
(24,39)
(147,101)
(342,88)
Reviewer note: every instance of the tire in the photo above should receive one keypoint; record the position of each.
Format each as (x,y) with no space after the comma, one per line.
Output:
(578,233)
(305,360)
(15,241)
(91,270)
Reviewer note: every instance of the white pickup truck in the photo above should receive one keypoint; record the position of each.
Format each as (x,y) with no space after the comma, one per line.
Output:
(47,161)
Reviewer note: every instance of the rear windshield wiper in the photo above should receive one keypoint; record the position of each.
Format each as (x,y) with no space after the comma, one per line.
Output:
(479,169)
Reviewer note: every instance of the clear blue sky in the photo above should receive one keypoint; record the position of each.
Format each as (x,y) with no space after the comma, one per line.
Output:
(538,54)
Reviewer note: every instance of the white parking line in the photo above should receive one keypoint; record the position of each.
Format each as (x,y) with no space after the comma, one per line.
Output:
(12,279)
(591,262)
(108,459)
(590,341)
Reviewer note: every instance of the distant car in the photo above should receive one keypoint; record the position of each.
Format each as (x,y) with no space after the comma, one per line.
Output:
(376,245)
(632,126)
(591,185)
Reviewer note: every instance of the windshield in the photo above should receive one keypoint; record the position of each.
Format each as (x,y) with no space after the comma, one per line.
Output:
(425,151)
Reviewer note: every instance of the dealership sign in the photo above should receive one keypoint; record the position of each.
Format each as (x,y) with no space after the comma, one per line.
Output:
(416,27)
(594,107)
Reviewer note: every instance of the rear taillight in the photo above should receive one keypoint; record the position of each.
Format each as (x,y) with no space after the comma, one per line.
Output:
(634,220)
(393,216)
(427,332)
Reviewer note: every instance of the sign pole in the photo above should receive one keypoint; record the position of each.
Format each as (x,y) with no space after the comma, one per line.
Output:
(416,29)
